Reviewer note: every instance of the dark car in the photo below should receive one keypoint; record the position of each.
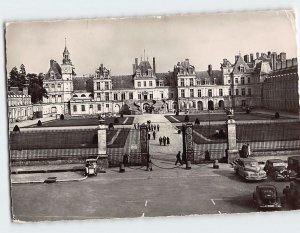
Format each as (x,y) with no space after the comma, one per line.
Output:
(266,197)
(276,168)
(294,166)
(292,194)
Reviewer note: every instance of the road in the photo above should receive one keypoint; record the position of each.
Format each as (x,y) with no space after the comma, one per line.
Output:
(137,193)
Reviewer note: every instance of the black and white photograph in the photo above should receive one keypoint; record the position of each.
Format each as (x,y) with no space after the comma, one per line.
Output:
(153,116)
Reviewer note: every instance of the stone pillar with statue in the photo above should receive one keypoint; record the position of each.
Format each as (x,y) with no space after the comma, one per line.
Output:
(232,152)
(102,153)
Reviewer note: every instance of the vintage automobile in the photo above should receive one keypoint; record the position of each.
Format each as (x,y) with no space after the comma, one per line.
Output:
(266,197)
(249,169)
(292,194)
(276,169)
(294,166)
(91,167)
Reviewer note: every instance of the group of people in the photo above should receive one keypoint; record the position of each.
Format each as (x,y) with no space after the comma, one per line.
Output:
(136,126)
(164,140)
(152,128)
(245,151)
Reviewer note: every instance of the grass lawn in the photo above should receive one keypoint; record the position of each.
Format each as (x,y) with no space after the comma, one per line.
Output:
(220,117)
(87,122)
(250,132)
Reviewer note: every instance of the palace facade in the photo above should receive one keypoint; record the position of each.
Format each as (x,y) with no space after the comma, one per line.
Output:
(246,82)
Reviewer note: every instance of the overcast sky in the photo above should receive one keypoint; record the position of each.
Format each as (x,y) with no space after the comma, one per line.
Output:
(204,39)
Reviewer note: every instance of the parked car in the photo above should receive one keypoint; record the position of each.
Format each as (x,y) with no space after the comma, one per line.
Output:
(249,169)
(266,197)
(276,168)
(294,166)
(292,194)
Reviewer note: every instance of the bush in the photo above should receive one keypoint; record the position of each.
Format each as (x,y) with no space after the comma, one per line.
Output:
(248,110)
(39,123)
(197,122)
(116,121)
(177,112)
(277,115)
(111,126)
(186,119)
(61,117)
(16,128)
(122,115)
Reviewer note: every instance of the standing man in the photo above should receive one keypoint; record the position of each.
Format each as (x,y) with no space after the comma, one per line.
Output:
(154,135)
(164,140)
(160,140)
(168,141)
(178,158)
(158,127)
(154,126)
(149,135)
(134,126)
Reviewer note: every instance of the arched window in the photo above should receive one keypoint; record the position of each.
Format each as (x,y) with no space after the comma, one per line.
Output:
(83,95)
(74,108)
(75,95)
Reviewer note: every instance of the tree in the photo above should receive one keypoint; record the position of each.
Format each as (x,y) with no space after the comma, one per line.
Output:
(197,122)
(39,123)
(36,89)
(61,117)
(116,121)
(16,129)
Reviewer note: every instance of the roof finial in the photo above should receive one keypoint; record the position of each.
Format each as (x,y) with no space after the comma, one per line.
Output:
(144,54)
(65,42)
(239,53)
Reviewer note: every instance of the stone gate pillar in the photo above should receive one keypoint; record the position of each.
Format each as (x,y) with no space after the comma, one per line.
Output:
(144,144)
(189,142)
(232,150)
(102,153)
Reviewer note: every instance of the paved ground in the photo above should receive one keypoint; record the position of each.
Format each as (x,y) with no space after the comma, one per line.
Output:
(137,193)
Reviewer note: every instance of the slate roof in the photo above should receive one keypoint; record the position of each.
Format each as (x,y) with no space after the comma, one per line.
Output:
(144,66)
(240,61)
(166,77)
(55,67)
(122,82)
(83,83)
(204,75)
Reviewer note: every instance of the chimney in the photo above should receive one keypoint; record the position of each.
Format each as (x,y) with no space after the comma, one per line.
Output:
(133,68)
(251,57)
(25,90)
(154,66)
(210,70)
(273,60)
(14,90)
(257,55)
(269,54)
(246,58)
(136,62)
(283,56)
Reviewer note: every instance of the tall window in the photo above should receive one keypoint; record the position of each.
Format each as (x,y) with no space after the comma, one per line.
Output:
(99,95)
(236,80)
(182,93)
(145,84)
(99,107)
(242,69)
(192,93)
(243,92)
(229,92)
(52,86)
(83,108)
(191,82)
(107,96)
(123,96)
(115,96)
(106,86)
(198,82)
(249,91)
(139,84)
(139,96)
(162,95)
(209,93)
(243,80)
(199,93)
(74,108)
(150,83)
(59,86)
(236,91)
(220,92)
(182,82)
(151,96)
(98,85)
(130,95)
(248,79)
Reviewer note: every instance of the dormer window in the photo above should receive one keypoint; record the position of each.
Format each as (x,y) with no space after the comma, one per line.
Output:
(242,69)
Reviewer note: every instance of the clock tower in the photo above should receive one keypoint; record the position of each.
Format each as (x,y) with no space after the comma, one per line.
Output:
(67,71)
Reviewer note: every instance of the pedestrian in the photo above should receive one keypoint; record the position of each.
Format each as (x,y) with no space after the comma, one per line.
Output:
(178,158)
(158,127)
(151,127)
(164,140)
(138,125)
(134,126)
(160,140)
(154,127)
(168,141)
(149,135)
(248,150)
(154,135)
